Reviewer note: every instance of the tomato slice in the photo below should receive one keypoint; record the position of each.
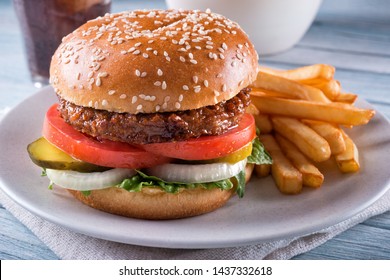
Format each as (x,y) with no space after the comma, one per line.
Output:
(85,148)
(208,147)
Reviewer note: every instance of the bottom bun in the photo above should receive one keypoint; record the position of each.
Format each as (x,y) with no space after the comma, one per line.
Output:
(155,204)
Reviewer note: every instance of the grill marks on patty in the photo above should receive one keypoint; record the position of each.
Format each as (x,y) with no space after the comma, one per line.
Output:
(156,127)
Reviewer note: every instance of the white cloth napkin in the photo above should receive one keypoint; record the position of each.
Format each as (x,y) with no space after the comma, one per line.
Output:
(70,245)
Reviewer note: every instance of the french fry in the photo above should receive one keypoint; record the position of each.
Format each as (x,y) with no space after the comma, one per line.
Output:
(277,94)
(311,176)
(331,133)
(314,71)
(252,109)
(263,170)
(289,87)
(348,98)
(348,161)
(328,112)
(263,123)
(287,178)
(306,139)
(331,88)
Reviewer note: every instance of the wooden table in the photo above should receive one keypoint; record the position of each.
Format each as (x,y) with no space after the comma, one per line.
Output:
(353,35)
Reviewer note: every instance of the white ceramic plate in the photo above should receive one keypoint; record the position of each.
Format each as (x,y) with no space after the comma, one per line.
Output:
(262,215)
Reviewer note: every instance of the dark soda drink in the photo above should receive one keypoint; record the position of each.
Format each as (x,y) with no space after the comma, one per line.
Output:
(45,22)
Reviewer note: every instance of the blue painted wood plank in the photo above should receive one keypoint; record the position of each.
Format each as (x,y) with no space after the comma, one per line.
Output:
(18,242)
(362,242)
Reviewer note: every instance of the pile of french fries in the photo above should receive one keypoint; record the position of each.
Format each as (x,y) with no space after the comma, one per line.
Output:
(301,114)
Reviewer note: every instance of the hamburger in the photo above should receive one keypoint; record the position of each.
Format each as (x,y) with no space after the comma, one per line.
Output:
(151,118)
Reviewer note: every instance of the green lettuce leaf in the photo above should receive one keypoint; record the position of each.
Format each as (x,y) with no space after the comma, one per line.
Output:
(140,180)
(259,154)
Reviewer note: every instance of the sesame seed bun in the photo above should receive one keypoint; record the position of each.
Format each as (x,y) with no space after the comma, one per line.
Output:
(153,61)
(155,204)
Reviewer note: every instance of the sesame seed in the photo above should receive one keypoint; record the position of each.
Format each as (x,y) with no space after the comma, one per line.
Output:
(158,108)
(157,83)
(159,72)
(165,53)
(136,52)
(185,87)
(181,97)
(155,52)
(102,74)
(145,55)
(137,44)
(177,105)
(197,89)
(221,56)
(123,52)
(190,55)
(111,92)
(134,99)
(150,41)
(224,46)
(221,50)
(131,49)
(143,74)
(209,47)
(168,58)
(195,79)
(123,96)
(206,83)
(139,107)
(216,92)
(219,75)
(98,82)
(234,63)
(193,61)
(137,73)
(224,88)
(164,85)
(182,59)
(90,74)
(104,102)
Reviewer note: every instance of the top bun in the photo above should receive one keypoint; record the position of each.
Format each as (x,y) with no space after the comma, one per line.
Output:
(153,61)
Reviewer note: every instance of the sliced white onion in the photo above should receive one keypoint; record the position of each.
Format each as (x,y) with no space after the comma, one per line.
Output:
(196,173)
(74,180)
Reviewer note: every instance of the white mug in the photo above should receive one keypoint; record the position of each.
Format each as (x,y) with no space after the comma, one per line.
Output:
(272,25)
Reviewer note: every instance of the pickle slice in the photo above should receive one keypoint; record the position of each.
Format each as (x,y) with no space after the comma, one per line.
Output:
(46,155)
(236,156)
